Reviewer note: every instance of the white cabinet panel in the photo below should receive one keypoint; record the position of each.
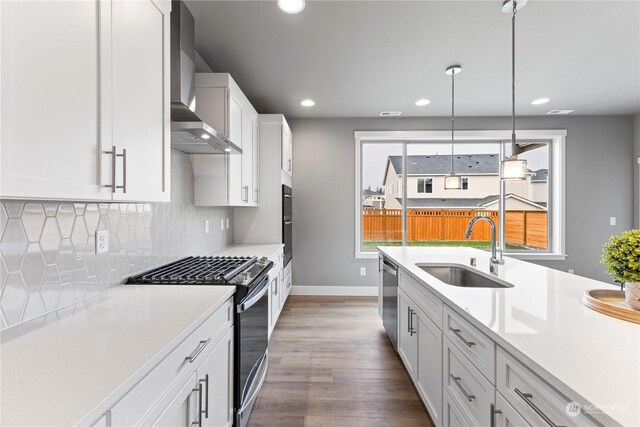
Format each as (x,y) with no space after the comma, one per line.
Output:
(451,414)
(429,378)
(235,190)
(407,335)
(287,151)
(217,372)
(140,63)
(255,184)
(247,158)
(183,409)
(50,123)
(505,416)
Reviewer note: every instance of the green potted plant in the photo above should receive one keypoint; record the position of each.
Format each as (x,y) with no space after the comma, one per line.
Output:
(621,258)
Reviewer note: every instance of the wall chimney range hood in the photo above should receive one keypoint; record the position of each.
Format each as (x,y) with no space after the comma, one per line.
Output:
(189,133)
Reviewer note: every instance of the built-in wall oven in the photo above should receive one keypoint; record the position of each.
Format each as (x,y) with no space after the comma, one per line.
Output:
(250,276)
(287,223)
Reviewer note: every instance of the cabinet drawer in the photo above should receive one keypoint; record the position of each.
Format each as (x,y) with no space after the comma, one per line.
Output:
(537,401)
(451,414)
(475,345)
(427,301)
(139,400)
(466,385)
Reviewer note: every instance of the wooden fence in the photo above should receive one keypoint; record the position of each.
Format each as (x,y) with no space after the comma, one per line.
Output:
(524,228)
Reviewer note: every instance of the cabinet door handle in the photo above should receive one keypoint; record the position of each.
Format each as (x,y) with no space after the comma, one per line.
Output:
(463,339)
(408,319)
(289,165)
(492,415)
(412,331)
(198,421)
(257,193)
(456,380)
(527,399)
(201,345)
(206,401)
(124,169)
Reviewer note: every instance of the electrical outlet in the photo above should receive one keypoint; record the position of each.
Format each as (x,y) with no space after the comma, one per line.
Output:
(102,241)
(206,226)
(221,223)
(612,220)
(363,271)
(571,271)
(227,223)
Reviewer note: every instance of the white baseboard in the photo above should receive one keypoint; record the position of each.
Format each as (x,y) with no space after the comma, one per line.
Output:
(335,290)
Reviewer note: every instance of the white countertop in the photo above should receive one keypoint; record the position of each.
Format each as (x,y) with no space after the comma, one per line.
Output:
(58,369)
(259,250)
(541,320)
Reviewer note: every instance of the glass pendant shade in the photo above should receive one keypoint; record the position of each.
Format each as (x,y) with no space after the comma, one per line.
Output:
(513,169)
(453,182)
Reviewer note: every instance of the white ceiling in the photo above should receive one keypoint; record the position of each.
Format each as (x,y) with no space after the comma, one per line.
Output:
(358,58)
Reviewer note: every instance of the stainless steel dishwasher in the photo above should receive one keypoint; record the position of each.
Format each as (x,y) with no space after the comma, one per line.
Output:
(390,300)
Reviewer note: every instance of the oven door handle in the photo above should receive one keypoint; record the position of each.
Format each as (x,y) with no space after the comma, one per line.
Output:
(254,299)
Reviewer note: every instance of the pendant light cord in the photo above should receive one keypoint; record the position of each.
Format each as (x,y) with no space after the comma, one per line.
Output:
(513,81)
(453,120)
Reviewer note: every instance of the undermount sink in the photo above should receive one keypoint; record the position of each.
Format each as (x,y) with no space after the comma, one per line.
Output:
(462,276)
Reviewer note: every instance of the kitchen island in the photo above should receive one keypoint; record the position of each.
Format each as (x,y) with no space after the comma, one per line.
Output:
(540,324)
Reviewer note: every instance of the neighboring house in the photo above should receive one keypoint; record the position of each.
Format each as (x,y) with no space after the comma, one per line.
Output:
(540,184)
(372,199)
(481,179)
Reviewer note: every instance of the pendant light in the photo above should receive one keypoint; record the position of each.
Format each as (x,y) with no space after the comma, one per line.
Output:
(512,168)
(453,181)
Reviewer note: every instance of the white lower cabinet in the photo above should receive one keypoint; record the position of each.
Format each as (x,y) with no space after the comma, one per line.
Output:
(279,288)
(451,415)
(193,384)
(503,414)
(182,410)
(420,348)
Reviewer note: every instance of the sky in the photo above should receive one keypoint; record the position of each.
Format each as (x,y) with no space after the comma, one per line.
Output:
(374,156)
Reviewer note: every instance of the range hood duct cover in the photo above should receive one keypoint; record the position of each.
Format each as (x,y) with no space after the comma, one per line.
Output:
(189,133)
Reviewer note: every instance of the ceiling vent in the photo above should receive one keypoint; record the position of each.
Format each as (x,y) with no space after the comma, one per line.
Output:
(390,113)
(560,112)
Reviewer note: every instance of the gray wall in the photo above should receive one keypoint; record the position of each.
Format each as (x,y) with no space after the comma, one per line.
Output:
(636,172)
(599,171)
(47,249)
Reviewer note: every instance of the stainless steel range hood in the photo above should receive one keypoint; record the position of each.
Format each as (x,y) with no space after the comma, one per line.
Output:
(189,133)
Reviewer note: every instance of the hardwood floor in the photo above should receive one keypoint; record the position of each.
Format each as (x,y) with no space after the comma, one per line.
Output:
(330,364)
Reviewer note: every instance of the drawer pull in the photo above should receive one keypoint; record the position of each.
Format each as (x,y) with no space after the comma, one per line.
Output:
(456,380)
(201,345)
(492,415)
(527,399)
(459,335)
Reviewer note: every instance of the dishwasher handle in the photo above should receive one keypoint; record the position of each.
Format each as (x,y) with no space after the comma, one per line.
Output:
(390,268)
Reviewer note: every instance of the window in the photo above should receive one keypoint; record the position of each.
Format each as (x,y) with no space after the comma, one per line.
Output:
(425,185)
(428,215)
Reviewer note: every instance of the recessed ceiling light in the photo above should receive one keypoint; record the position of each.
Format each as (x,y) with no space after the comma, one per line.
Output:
(291,6)
(205,136)
(540,101)
(227,150)
(390,113)
(560,112)
(422,102)
(308,103)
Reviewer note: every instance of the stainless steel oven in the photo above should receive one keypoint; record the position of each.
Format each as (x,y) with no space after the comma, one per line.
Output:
(252,340)
(287,223)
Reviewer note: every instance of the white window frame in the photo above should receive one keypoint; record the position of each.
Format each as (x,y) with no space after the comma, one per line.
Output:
(557,168)
(425,185)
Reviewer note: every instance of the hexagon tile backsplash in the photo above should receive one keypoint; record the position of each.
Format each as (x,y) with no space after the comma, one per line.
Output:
(47,250)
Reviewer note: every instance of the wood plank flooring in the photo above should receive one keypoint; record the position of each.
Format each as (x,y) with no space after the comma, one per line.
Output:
(330,364)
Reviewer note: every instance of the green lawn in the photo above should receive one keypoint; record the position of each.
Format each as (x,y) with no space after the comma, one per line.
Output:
(478,244)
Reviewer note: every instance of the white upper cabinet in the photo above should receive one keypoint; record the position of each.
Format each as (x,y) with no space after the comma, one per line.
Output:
(50,127)
(228,179)
(141,117)
(77,79)
(287,150)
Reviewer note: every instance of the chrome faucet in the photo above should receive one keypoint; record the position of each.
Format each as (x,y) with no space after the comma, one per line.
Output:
(496,255)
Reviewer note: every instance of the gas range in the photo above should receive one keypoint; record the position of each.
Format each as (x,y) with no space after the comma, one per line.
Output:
(242,272)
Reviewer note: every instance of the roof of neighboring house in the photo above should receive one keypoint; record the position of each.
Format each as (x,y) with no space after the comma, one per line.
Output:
(463,203)
(540,175)
(441,164)
(371,193)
